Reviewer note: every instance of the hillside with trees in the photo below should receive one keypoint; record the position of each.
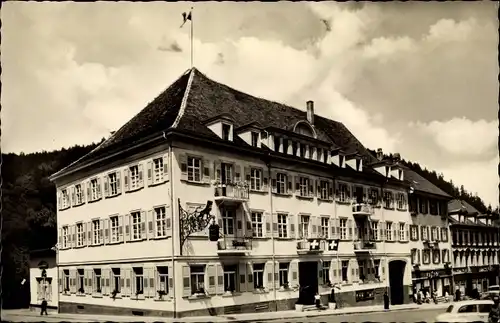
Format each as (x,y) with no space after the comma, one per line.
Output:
(29,211)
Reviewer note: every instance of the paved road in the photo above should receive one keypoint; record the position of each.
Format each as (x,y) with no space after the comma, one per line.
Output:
(408,316)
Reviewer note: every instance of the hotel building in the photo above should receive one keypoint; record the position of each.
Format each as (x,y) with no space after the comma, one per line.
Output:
(299,201)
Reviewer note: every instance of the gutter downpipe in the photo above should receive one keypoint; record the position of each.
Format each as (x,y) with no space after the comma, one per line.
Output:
(170,160)
(270,190)
(384,251)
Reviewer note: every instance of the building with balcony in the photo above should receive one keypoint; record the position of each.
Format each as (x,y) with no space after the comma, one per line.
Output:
(429,237)
(476,248)
(300,204)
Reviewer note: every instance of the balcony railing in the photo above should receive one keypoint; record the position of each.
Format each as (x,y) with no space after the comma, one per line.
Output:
(364,245)
(361,209)
(237,192)
(234,245)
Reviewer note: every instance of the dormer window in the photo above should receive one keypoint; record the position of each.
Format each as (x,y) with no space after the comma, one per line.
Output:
(302,151)
(255,139)
(226,131)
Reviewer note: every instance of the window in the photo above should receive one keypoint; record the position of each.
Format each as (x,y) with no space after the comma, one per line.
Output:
(484,308)
(80,235)
(324,227)
(78,194)
(97,281)
(436,256)
(414,256)
(194,169)
(388,200)
(255,179)
(116,282)
(94,189)
(373,199)
(401,201)
(258,276)
(230,274)
(374,231)
(161,222)
(136,225)
(281,183)
(283,273)
(388,231)
(326,272)
(158,170)
(113,184)
(376,268)
(277,142)
(434,232)
(304,227)
(324,190)
(423,205)
(138,287)
(467,309)
(426,256)
(228,221)
(444,234)
(134,177)
(414,232)
(362,266)
(162,279)
(65,199)
(402,232)
(343,229)
(114,225)
(433,207)
(66,280)
(226,130)
(424,233)
(343,192)
(304,186)
(65,237)
(282,226)
(80,284)
(96,232)
(255,139)
(345,267)
(446,256)
(257,224)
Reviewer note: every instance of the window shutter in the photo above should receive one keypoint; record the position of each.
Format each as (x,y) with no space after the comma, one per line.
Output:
(59,238)
(276,275)
(249,277)
(333,232)
(141,175)
(332,273)
(149,285)
(71,192)
(350,271)
(311,187)
(297,184)
(383,227)
(382,269)
(89,197)
(165,167)
(320,272)
(211,279)
(265,180)
(126,176)
(60,280)
(291,225)
(314,226)
(217,171)
(170,282)
(269,275)
(318,188)
(294,273)
(106,231)
(168,221)
(275,225)
(242,276)
(126,289)
(356,271)
(73,233)
(149,166)
(59,202)
(337,227)
(90,231)
(151,225)
(101,231)
(106,186)
(349,225)
(330,190)
(237,173)
(72,281)
(239,224)
(220,279)
(407,232)
(99,180)
(246,171)
(268,220)
(289,188)
(118,182)
(438,234)
(206,170)
(143,224)
(126,224)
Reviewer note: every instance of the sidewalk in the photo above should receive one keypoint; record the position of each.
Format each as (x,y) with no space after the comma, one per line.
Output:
(14,315)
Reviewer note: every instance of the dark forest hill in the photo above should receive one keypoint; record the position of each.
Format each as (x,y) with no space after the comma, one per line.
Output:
(447,186)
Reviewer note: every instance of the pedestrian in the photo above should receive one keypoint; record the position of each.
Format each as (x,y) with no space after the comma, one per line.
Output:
(332,296)
(457,295)
(44,307)
(317,300)
(419,297)
(386,301)
(494,315)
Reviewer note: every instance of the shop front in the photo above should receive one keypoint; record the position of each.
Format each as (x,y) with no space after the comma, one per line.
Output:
(438,280)
(473,280)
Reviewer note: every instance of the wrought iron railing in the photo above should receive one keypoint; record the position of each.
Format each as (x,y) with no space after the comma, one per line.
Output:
(232,191)
(234,243)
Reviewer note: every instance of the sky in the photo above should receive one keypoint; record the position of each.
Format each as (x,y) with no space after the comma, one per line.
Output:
(418,78)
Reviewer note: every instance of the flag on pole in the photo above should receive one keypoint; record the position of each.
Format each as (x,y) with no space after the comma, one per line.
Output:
(186,17)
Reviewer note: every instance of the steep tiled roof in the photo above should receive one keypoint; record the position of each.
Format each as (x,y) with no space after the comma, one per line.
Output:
(194,98)
(419,183)
(456,205)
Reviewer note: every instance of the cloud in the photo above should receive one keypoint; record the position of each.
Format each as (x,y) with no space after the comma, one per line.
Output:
(461,136)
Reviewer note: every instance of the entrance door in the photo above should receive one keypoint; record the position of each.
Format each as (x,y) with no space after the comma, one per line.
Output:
(396,275)
(308,280)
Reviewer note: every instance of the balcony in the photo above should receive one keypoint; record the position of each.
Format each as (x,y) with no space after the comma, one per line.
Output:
(237,193)
(233,246)
(364,246)
(361,210)
(311,246)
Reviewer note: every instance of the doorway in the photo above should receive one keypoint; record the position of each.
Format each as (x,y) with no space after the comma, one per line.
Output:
(308,280)
(396,277)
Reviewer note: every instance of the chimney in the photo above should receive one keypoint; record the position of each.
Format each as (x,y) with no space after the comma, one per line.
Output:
(380,154)
(310,111)
(397,157)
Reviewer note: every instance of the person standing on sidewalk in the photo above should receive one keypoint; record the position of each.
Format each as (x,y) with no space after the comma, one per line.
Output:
(386,301)
(44,307)
(495,311)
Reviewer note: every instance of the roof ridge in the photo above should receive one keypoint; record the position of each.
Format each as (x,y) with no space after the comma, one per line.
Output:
(184,99)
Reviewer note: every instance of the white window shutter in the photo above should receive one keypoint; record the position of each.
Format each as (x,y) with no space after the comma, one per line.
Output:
(183,166)
(141,174)
(249,272)
(268,229)
(165,167)
(293,273)
(168,221)
(118,182)
(276,275)
(149,167)
(143,225)
(220,279)
(211,279)
(269,275)
(106,186)
(151,225)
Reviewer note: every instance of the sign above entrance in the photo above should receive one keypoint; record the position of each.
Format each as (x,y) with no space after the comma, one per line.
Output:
(365,295)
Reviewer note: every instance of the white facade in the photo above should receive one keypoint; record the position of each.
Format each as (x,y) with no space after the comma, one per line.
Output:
(43,280)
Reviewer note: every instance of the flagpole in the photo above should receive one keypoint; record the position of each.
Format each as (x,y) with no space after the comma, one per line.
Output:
(192,37)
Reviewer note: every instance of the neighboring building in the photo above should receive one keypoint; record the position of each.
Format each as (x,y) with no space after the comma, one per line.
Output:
(430,241)
(299,200)
(476,248)
(43,278)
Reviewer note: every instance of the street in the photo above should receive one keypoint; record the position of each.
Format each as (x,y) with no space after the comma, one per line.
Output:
(418,315)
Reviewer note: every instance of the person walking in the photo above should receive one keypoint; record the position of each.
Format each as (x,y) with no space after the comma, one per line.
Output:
(44,307)
(386,301)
